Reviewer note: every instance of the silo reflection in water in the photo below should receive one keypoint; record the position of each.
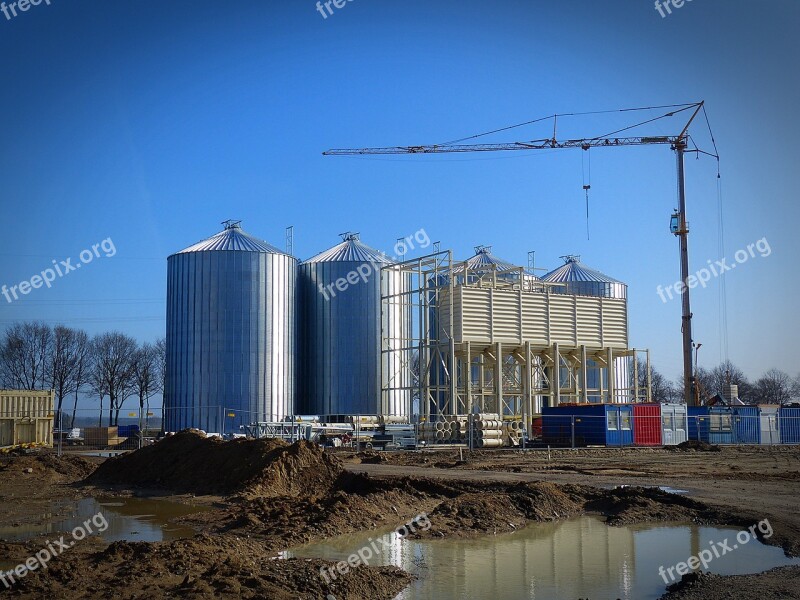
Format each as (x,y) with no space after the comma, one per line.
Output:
(582,557)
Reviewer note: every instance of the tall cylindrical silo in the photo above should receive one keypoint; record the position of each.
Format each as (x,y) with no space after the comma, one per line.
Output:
(342,319)
(231,333)
(580,280)
(483,266)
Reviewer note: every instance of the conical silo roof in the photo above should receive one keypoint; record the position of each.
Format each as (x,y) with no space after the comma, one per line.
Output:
(350,250)
(583,280)
(573,270)
(232,238)
(485,262)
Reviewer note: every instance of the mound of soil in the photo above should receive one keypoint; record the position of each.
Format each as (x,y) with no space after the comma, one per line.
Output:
(356,503)
(46,466)
(696,445)
(190,462)
(501,510)
(204,567)
(782,582)
(633,504)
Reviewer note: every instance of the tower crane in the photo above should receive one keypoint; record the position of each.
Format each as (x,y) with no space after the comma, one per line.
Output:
(678,226)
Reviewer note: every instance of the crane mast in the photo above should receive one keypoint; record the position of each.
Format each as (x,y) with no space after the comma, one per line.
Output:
(678,143)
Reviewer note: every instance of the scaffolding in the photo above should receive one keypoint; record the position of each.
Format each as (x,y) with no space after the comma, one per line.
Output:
(503,341)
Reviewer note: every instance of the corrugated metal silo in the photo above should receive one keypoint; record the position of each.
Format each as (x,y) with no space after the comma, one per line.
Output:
(341,331)
(483,264)
(231,333)
(585,281)
(581,280)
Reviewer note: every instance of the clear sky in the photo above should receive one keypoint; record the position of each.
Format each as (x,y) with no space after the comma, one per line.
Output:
(150,122)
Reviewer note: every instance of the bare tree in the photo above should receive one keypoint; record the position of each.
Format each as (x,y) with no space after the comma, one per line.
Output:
(660,387)
(68,348)
(113,355)
(161,368)
(704,380)
(25,355)
(145,376)
(97,383)
(83,368)
(719,377)
(775,387)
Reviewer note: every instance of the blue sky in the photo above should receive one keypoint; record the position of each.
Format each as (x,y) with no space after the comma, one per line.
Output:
(150,122)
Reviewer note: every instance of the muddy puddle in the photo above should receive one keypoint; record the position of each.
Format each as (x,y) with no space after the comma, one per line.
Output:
(571,559)
(131,519)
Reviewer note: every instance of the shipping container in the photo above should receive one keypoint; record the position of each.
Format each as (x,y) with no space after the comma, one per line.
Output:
(26,417)
(746,424)
(768,419)
(699,423)
(789,424)
(647,424)
(588,425)
(674,425)
(720,425)
(127,431)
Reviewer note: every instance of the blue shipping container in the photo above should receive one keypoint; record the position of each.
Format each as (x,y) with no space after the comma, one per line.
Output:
(789,425)
(127,430)
(594,425)
(725,424)
(699,422)
(746,424)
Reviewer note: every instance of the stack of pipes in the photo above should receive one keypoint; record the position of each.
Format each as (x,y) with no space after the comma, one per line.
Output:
(512,432)
(451,429)
(487,429)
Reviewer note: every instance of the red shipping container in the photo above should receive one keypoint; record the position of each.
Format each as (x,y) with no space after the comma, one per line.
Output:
(647,425)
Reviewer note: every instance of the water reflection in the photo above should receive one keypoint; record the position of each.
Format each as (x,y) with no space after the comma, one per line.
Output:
(133,519)
(582,557)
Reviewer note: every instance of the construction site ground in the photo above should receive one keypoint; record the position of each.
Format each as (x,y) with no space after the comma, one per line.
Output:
(263,497)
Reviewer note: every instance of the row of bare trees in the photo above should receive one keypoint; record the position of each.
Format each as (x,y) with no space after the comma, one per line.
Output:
(109,365)
(773,387)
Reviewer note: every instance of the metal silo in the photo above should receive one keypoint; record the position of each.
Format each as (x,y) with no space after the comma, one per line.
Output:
(581,280)
(484,264)
(231,333)
(341,330)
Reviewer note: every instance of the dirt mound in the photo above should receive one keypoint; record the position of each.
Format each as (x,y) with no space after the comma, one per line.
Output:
(497,511)
(46,465)
(696,445)
(633,504)
(356,503)
(190,462)
(204,567)
(782,582)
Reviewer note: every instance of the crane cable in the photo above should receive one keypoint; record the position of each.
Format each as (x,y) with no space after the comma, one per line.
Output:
(586,159)
(723,291)
(681,108)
